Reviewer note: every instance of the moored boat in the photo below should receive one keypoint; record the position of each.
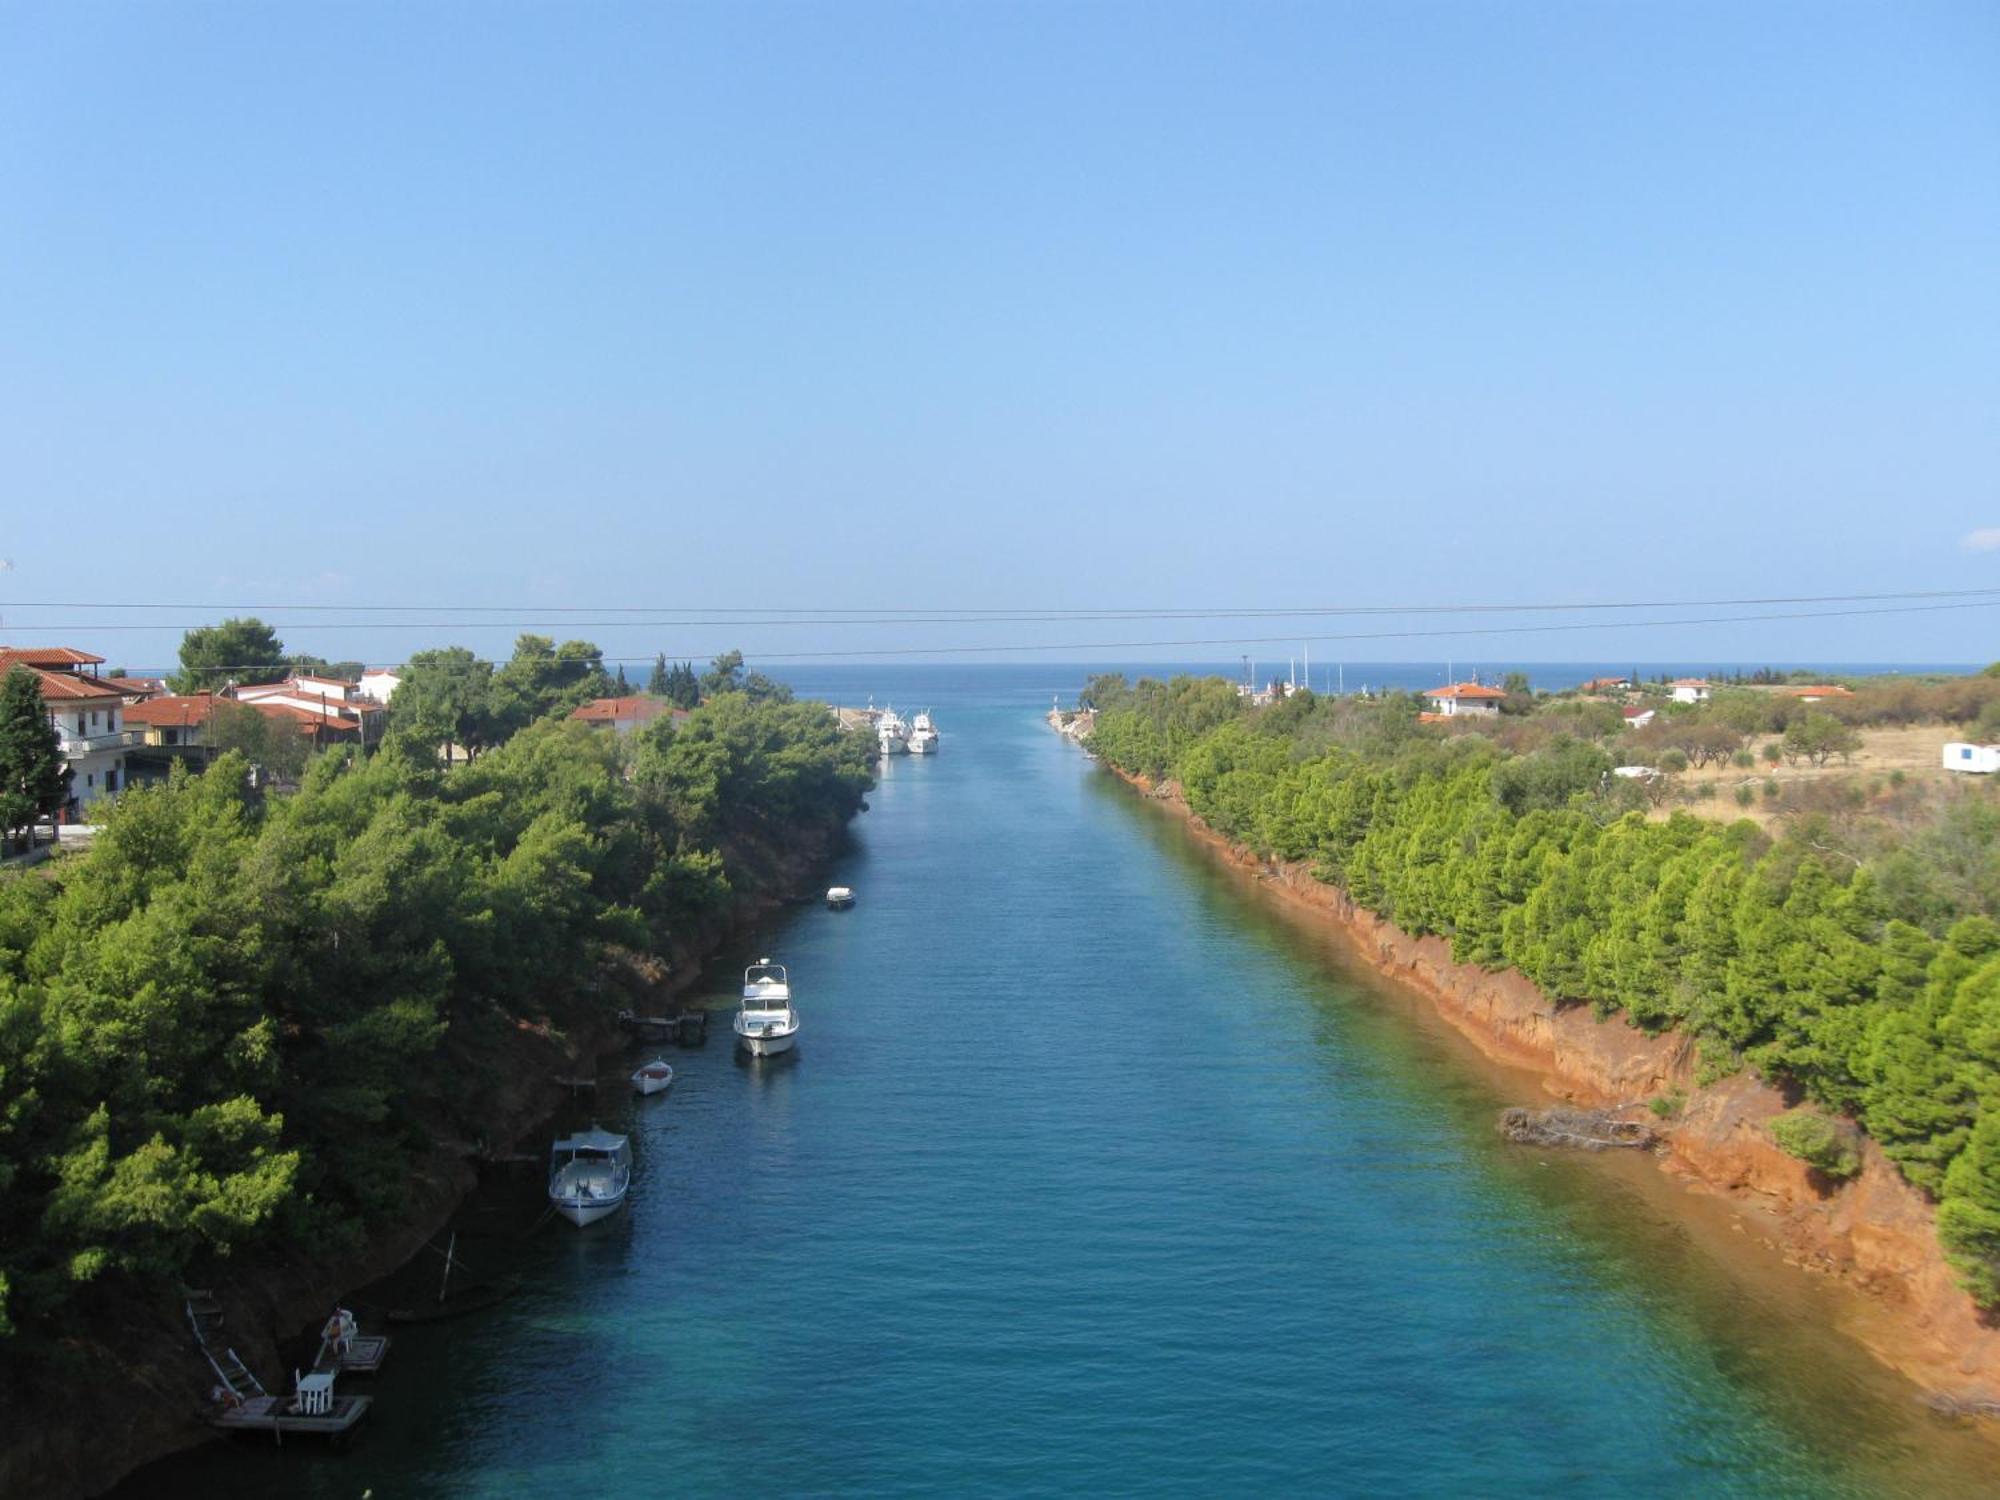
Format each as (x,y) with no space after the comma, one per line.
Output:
(589,1175)
(839,897)
(923,734)
(892,733)
(655,1077)
(766,1024)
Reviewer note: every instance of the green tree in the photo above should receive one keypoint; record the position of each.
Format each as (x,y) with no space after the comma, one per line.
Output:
(683,688)
(238,650)
(34,778)
(446,697)
(657,684)
(1817,737)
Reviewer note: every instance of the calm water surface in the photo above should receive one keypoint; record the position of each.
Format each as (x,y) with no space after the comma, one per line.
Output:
(1091,1173)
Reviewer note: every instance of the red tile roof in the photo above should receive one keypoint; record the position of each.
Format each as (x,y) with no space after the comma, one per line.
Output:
(638,707)
(1466,690)
(67,687)
(58,658)
(172,710)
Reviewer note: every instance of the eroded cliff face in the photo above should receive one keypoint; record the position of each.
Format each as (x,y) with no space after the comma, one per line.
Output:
(1875,1233)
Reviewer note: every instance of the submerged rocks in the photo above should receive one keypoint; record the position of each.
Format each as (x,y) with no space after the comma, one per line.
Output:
(1584,1129)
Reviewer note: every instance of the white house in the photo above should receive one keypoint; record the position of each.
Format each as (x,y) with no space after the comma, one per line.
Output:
(1981,759)
(380,683)
(1689,690)
(1466,698)
(1638,718)
(88,714)
(327,708)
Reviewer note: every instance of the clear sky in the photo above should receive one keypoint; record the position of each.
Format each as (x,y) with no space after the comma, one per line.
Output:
(1016,305)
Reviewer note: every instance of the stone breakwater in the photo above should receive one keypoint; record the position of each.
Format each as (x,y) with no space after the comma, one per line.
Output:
(1875,1233)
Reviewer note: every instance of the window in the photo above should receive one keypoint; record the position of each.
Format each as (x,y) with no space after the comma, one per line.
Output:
(111,781)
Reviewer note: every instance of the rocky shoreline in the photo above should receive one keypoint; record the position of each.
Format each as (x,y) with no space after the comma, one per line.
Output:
(1874,1234)
(139,1361)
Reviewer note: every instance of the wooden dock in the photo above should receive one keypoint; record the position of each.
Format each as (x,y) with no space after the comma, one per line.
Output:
(280,1416)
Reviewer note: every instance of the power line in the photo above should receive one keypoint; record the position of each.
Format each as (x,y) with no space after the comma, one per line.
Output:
(1267,640)
(665,615)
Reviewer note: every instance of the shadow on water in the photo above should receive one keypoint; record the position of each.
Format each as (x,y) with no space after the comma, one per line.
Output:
(1620,1226)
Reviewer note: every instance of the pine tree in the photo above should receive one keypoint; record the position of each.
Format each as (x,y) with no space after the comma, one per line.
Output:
(657,683)
(624,686)
(34,781)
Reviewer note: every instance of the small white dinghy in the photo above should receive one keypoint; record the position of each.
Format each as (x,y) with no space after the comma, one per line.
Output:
(656,1077)
(589,1174)
(839,897)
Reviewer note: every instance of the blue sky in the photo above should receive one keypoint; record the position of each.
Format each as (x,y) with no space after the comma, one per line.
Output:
(999,306)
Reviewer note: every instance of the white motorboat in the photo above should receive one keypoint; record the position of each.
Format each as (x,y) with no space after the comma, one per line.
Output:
(589,1174)
(656,1077)
(839,897)
(923,735)
(767,1024)
(892,733)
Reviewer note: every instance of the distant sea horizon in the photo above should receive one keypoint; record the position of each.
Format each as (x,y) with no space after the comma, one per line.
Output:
(850,682)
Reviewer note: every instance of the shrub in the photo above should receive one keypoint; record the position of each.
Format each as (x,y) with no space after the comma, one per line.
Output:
(1666,1106)
(1743,760)
(1770,789)
(1818,1140)
(1744,796)
(1772,752)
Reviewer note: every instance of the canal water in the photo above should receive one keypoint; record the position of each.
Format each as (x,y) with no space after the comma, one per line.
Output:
(1094,1173)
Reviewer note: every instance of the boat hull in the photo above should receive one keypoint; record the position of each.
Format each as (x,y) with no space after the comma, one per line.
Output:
(588,1211)
(767,1046)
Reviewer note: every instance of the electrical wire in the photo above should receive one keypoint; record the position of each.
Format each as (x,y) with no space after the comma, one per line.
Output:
(570,617)
(1267,640)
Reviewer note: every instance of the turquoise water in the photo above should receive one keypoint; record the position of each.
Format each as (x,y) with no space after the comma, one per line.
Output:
(1093,1173)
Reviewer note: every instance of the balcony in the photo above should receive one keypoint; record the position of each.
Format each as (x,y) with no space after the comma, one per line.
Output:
(75,746)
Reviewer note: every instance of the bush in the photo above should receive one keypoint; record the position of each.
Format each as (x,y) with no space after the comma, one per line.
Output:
(1770,789)
(1666,1106)
(1820,1141)
(1743,760)
(1772,752)
(1744,796)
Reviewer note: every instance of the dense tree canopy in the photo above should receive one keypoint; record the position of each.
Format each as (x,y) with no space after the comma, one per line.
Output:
(1872,982)
(244,1016)
(244,651)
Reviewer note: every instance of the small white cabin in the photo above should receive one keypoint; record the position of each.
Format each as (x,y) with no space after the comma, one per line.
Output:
(1983,759)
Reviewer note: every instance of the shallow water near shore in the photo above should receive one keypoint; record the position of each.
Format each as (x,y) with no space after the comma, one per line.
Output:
(1095,1172)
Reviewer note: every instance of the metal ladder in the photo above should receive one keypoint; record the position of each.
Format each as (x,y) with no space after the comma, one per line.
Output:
(205,1321)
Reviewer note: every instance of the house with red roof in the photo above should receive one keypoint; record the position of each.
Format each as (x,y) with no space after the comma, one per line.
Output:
(171,720)
(327,710)
(623,715)
(1465,698)
(88,714)
(1689,689)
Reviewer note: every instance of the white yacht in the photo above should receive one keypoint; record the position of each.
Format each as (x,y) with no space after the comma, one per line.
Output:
(589,1174)
(923,735)
(893,733)
(767,1024)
